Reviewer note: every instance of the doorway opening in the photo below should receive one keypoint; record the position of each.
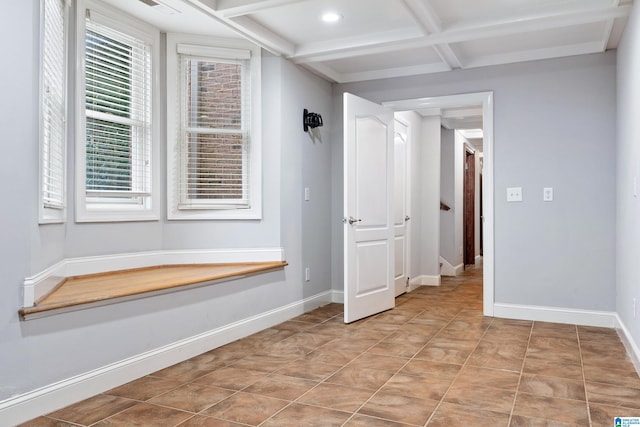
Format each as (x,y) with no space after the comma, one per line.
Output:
(479,232)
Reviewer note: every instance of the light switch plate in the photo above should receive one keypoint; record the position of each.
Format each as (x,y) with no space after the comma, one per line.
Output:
(514,194)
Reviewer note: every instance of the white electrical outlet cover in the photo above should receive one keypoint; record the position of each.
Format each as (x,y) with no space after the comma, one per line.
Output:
(514,194)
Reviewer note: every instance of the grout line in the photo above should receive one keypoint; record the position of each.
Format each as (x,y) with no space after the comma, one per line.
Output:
(584,380)
(524,361)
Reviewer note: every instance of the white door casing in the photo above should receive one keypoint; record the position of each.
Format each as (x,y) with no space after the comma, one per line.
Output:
(369,245)
(400,216)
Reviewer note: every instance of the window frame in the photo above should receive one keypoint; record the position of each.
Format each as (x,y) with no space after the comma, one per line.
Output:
(206,47)
(102,209)
(48,214)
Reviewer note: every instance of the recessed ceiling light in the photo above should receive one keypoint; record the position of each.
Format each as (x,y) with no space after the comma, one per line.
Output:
(331,17)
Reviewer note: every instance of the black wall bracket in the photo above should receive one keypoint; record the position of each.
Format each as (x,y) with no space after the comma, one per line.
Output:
(311,120)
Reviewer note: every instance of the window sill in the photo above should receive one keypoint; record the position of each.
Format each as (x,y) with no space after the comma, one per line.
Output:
(94,290)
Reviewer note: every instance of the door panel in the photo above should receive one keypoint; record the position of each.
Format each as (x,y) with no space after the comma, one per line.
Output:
(469,208)
(400,217)
(368,208)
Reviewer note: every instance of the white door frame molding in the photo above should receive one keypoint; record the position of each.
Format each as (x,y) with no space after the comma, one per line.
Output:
(486,100)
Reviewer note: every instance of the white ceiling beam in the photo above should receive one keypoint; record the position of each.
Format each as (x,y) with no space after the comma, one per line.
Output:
(480,30)
(264,37)
(424,15)
(247,28)
(393,72)
(535,54)
(365,44)
(234,8)
(325,72)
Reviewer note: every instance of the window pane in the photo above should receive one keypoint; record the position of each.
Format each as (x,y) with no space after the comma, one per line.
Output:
(214,94)
(108,155)
(53,100)
(108,71)
(215,166)
(117,104)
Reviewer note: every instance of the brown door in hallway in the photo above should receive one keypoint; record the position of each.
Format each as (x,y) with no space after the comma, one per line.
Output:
(469,208)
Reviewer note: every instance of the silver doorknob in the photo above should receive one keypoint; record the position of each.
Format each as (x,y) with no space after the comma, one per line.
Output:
(352,220)
(407,218)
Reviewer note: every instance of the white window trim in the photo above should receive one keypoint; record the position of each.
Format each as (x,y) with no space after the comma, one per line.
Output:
(173,147)
(46,214)
(127,211)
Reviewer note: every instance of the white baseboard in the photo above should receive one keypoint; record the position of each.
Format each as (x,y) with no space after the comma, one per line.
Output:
(40,284)
(448,269)
(631,346)
(337,297)
(606,319)
(423,280)
(24,407)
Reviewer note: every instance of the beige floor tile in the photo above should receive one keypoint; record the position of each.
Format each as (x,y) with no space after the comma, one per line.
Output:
(370,379)
(192,397)
(94,409)
(430,368)
(432,388)
(201,421)
(399,408)
(552,387)
(562,410)
(476,376)
(335,396)
(492,399)
(365,421)
(231,378)
(246,408)
(379,362)
(603,415)
(520,421)
(313,416)
(144,388)
(613,395)
(552,369)
(309,369)
(449,414)
(281,387)
(145,414)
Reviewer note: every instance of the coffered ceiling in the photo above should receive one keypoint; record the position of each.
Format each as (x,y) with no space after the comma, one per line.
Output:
(390,38)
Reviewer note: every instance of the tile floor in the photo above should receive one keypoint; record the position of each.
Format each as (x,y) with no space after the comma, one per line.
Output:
(433,360)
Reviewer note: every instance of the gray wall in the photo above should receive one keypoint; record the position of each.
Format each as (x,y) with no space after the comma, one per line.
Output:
(628,149)
(447,195)
(554,126)
(81,341)
(429,184)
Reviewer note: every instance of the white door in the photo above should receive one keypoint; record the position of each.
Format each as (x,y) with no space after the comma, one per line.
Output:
(400,217)
(368,208)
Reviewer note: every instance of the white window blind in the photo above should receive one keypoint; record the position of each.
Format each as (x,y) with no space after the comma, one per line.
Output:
(214,137)
(53,106)
(118,84)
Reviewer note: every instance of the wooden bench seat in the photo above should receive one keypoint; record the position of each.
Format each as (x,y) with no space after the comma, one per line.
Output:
(98,289)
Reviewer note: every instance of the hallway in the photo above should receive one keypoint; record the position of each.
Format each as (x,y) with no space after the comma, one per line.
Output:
(433,360)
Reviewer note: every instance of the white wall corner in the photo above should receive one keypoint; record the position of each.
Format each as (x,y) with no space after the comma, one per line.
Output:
(450,270)
(423,280)
(40,284)
(629,344)
(337,296)
(605,319)
(27,406)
